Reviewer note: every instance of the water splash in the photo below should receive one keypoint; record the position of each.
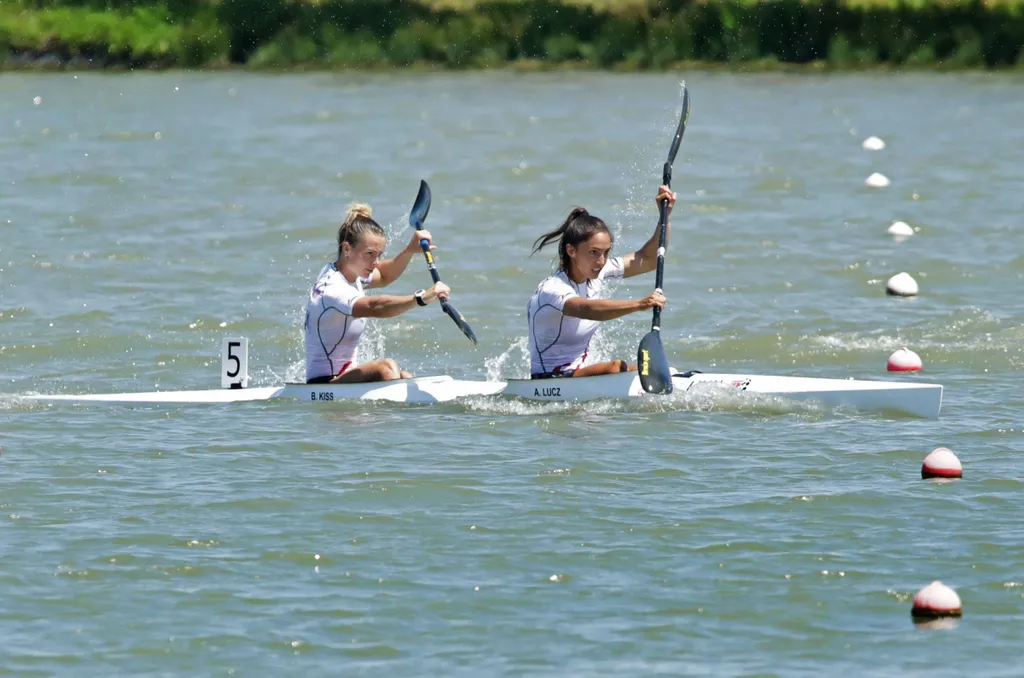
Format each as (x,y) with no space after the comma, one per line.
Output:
(499,369)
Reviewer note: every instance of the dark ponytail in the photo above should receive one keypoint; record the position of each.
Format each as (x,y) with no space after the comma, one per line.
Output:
(357,223)
(577,228)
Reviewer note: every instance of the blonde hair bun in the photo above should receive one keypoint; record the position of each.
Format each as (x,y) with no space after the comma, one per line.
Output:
(358,222)
(358,209)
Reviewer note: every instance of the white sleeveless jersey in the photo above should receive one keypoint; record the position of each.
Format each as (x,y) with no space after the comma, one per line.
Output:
(332,334)
(558,343)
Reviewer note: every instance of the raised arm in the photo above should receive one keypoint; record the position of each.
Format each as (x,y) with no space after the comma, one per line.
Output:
(645,259)
(610,309)
(389,270)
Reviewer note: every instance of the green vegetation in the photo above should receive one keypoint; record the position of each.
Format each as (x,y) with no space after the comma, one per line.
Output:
(625,34)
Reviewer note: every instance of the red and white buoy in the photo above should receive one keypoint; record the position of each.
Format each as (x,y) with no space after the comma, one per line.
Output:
(942,463)
(936,600)
(904,360)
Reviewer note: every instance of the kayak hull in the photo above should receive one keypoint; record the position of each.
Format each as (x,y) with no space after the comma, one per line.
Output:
(918,399)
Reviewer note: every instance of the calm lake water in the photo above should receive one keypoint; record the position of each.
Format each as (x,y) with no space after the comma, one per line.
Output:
(146,216)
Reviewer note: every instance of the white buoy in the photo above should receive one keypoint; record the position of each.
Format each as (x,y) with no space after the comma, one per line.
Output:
(942,463)
(37,100)
(873,144)
(900,230)
(936,600)
(877,180)
(904,360)
(901,285)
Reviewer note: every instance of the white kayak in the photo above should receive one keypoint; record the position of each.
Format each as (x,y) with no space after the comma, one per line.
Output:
(919,399)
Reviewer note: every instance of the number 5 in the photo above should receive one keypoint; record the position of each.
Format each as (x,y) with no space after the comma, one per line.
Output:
(238,365)
(234,362)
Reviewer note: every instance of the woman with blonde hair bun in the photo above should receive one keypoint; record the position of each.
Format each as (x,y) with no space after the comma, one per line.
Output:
(338,306)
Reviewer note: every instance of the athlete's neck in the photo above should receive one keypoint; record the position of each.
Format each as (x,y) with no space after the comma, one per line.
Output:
(349,277)
(576,277)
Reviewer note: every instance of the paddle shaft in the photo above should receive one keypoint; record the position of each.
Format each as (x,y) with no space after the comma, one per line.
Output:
(425,246)
(666,178)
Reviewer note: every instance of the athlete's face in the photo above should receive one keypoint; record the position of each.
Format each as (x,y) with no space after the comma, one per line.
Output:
(590,256)
(363,258)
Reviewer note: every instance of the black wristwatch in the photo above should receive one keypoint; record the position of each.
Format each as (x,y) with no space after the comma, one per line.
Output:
(419,297)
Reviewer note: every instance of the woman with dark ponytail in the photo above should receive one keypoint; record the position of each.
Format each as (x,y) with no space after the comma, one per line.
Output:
(337,308)
(567,307)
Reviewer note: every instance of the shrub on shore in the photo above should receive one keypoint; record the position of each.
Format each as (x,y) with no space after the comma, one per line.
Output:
(637,34)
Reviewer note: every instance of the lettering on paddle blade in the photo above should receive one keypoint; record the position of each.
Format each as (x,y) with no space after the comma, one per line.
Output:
(549,392)
(645,361)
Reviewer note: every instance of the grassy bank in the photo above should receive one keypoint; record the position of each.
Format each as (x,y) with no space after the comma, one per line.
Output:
(631,34)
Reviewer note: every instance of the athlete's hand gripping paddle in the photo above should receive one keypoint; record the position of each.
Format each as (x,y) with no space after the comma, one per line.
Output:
(417,216)
(652,364)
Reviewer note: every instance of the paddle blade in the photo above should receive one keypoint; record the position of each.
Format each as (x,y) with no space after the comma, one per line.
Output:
(420,208)
(652,364)
(459,320)
(684,116)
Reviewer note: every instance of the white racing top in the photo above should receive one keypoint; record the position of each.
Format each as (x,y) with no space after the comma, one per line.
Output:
(332,334)
(559,343)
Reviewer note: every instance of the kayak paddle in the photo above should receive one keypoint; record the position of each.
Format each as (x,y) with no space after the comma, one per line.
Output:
(652,364)
(417,216)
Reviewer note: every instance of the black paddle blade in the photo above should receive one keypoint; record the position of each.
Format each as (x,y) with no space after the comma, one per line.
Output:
(459,320)
(420,208)
(680,129)
(652,364)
